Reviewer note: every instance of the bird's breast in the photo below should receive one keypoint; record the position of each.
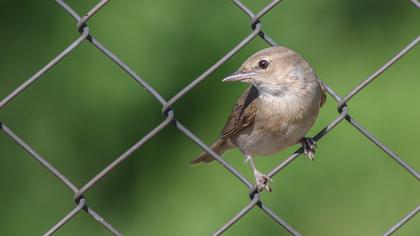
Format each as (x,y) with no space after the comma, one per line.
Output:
(280,122)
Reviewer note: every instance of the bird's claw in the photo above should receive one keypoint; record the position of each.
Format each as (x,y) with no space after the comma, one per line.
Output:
(309,146)
(263,182)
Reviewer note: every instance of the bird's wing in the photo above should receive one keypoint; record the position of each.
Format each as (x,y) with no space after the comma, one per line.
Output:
(243,113)
(323,93)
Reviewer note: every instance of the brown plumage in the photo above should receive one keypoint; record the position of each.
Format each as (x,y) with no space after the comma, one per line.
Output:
(242,115)
(275,112)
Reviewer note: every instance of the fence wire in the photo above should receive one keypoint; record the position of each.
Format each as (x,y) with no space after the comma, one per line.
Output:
(169,118)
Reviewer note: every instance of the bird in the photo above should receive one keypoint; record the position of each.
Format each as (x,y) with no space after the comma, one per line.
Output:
(274,112)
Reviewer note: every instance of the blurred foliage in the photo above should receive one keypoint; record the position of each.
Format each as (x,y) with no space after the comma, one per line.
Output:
(86,111)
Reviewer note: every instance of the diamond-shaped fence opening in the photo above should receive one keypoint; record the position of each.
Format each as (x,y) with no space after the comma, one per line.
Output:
(169,118)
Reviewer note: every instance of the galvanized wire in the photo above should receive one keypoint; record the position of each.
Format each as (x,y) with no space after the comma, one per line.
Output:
(169,118)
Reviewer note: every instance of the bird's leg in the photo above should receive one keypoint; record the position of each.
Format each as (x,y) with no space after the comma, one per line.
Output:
(262,181)
(309,146)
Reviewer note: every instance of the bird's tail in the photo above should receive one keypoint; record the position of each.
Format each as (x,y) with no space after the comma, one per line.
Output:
(219,147)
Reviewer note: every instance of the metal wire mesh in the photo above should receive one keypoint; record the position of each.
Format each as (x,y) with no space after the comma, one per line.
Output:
(169,118)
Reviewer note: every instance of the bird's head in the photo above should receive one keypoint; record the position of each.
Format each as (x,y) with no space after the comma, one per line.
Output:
(274,67)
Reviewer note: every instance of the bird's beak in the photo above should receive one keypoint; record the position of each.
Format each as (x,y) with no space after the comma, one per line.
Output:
(240,76)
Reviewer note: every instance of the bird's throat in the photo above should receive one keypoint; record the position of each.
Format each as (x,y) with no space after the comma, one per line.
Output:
(272,90)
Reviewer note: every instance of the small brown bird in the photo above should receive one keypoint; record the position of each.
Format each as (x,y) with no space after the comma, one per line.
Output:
(275,112)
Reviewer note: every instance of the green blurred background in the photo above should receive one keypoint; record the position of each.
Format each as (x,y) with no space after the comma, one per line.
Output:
(86,111)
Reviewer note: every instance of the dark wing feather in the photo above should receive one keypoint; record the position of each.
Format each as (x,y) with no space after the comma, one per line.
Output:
(243,113)
(323,93)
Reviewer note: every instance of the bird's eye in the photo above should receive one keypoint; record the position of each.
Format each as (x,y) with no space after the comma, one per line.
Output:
(263,64)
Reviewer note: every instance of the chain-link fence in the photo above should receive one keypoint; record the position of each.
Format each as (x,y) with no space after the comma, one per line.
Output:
(169,118)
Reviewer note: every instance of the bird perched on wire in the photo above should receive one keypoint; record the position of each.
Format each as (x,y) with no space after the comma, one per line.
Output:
(275,112)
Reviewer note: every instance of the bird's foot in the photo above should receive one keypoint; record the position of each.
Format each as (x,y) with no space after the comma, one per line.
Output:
(309,146)
(263,182)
